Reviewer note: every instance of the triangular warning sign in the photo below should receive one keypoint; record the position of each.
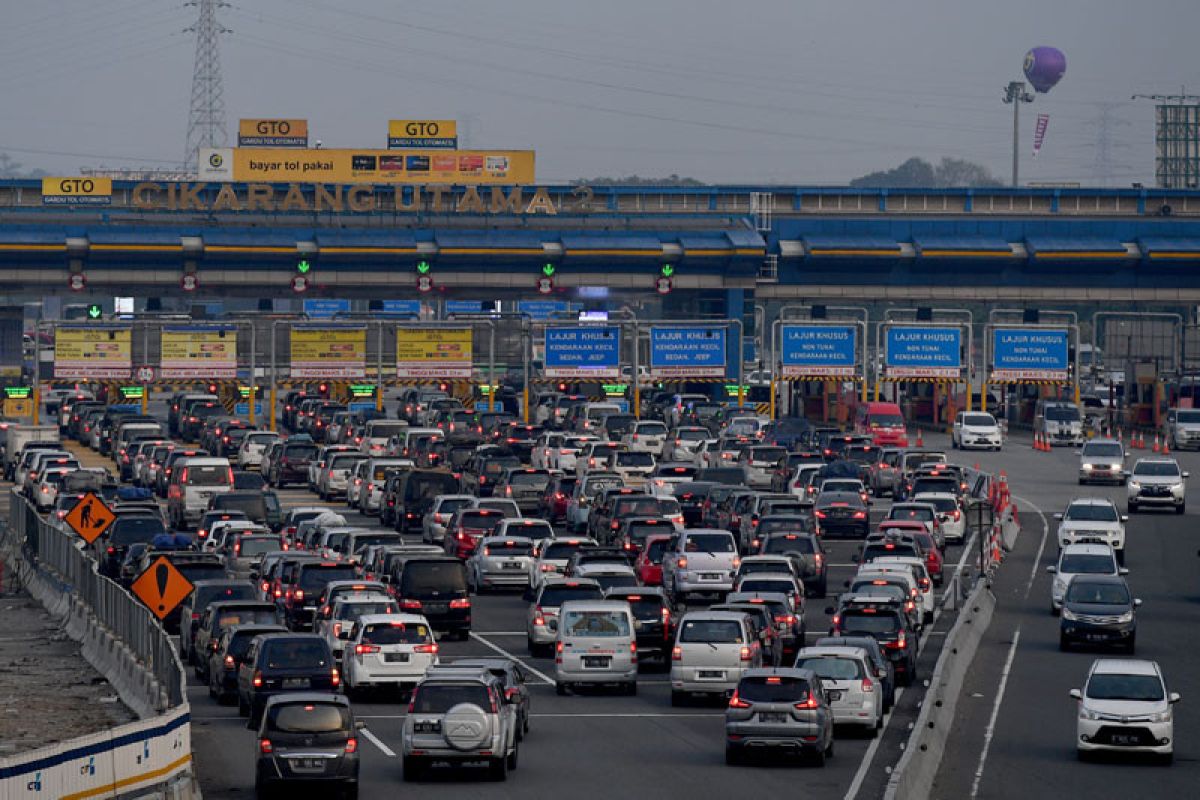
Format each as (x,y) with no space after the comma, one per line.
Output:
(161,587)
(90,517)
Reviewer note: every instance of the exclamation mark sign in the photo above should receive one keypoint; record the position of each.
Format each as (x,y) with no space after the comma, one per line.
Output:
(161,575)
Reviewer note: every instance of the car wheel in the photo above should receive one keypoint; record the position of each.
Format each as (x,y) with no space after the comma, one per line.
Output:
(560,689)
(733,755)
(243,706)
(263,790)
(1131,508)
(1179,508)
(512,758)
(819,758)
(413,769)
(631,688)
(829,749)
(1063,642)
(350,792)
(212,689)
(1166,759)
(498,769)
(676,698)
(1082,481)
(1131,645)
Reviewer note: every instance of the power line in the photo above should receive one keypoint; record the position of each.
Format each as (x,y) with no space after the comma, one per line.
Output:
(206,115)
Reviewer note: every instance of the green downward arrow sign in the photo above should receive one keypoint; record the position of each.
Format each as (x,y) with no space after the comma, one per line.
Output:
(422,267)
(547,270)
(303,267)
(667,270)
(94,312)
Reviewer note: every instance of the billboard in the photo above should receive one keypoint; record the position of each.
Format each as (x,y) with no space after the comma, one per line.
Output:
(1029,354)
(691,352)
(923,352)
(583,352)
(199,351)
(76,191)
(93,352)
(819,350)
(273,133)
(430,133)
(254,164)
(433,353)
(328,352)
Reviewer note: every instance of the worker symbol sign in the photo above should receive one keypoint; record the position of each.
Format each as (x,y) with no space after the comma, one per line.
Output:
(161,587)
(90,517)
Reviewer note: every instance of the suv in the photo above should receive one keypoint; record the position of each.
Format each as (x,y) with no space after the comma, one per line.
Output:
(460,715)
(1102,460)
(888,625)
(1125,707)
(194,482)
(704,560)
(277,663)
(782,710)
(307,738)
(1092,520)
(1156,481)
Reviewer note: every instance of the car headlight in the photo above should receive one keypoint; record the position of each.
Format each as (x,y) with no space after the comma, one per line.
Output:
(1134,485)
(1089,467)
(1175,487)
(1087,713)
(1126,617)
(1067,614)
(1162,716)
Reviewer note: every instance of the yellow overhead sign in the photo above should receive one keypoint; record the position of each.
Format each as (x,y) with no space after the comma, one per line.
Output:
(382,166)
(329,352)
(273,133)
(92,352)
(76,191)
(441,133)
(433,353)
(199,351)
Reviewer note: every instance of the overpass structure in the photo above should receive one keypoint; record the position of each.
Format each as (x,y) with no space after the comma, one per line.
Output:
(721,248)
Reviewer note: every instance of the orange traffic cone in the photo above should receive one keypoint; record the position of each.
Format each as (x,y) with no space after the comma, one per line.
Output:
(1046,447)
(1166,451)
(920,438)
(1037,442)
(1157,447)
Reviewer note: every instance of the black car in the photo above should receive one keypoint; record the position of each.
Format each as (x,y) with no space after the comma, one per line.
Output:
(203,593)
(887,625)
(691,497)
(219,616)
(436,587)
(842,513)
(653,619)
(1098,610)
(258,506)
(126,531)
(223,662)
(308,739)
(806,553)
(292,464)
(277,663)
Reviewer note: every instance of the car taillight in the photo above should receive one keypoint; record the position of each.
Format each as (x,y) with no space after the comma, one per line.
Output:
(924,582)
(264,746)
(786,619)
(957,514)
(737,702)
(352,745)
(807,704)
(229,662)
(111,550)
(744,653)
(462,602)
(900,643)
(860,515)
(410,605)
(258,680)
(820,514)
(299,594)
(335,677)
(426,648)
(818,559)
(677,653)
(538,616)
(364,649)
(558,648)
(337,629)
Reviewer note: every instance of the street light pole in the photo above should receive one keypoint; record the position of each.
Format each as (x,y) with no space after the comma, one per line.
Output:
(1015,94)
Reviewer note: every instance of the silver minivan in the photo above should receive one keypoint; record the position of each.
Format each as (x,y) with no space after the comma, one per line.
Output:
(846,673)
(596,644)
(712,650)
(195,482)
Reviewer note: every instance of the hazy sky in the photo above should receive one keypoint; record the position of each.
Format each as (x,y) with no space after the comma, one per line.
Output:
(787,91)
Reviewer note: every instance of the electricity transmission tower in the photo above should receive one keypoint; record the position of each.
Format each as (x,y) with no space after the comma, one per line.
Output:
(206,114)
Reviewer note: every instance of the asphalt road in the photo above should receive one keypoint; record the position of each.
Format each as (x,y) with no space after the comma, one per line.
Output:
(1015,735)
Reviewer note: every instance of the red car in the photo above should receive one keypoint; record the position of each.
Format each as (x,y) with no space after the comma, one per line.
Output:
(649,562)
(934,560)
(467,527)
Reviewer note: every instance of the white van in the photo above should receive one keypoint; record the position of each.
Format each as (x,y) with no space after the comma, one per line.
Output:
(596,644)
(400,445)
(194,482)
(374,440)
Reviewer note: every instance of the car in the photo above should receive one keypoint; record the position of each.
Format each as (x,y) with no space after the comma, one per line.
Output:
(224,660)
(704,560)
(1058,422)
(1092,520)
(842,512)
(712,651)
(307,738)
(1124,707)
(596,644)
(786,617)
(457,716)
(217,617)
(541,619)
(433,524)
(387,650)
(976,429)
(501,562)
(884,670)
(279,663)
(952,522)
(889,626)
(1102,460)
(1181,428)
(649,561)
(344,611)
(847,674)
(778,710)
(1098,610)
(514,679)
(653,619)
(913,564)
(1080,559)
(552,558)
(1156,482)
(807,554)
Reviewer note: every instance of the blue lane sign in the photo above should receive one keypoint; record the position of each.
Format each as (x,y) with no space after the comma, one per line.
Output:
(542,309)
(923,352)
(583,351)
(1029,354)
(464,306)
(410,307)
(242,409)
(819,350)
(687,352)
(325,309)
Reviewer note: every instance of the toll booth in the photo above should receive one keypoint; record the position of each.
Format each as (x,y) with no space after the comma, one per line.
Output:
(1145,397)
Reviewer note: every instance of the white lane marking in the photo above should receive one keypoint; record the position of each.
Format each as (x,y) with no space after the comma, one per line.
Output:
(990,731)
(501,633)
(373,739)
(564,715)
(546,678)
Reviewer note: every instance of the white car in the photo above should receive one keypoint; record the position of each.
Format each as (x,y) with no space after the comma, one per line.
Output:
(1102,460)
(392,650)
(633,466)
(553,555)
(433,525)
(666,477)
(646,437)
(563,457)
(1156,482)
(539,457)
(500,562)
(846,673)
(950,514)
(917,568)
(1125,707)
(1092,520)
(976,429)
(250,454)
(682,443)
(347,610)
(1080,559)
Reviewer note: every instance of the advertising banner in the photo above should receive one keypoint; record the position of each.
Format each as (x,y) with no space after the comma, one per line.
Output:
(329,352)
(76,191)
(199,351)
(692,352)
(429,133)
(923,352)
(819,350)
(583,352)
(93,352)
(273,133)
(1029,354)
(255,164)
(433,353)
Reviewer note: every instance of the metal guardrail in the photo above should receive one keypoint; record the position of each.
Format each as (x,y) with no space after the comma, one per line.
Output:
(52,550)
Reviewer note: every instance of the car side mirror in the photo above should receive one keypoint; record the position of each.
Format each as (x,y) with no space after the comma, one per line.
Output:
(1078,695)
(359,725)
(1124,518)
(1052,569)
(1137,602)
(1058,516)
(1175,697)
(1186,474)
(1122,570)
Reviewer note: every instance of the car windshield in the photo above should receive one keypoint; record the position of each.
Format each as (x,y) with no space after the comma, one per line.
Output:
(352,611)
(131,530)
(560,551)
(832,667)
(615,581)
(779,545)
(879,589)
(630,458)
(841,486)
(262,438)
(300,654)
(256,546)
(536,480)
(300,452)
(313,578)
(1086,564)
(395,633)
(942,504)
(208,475)
(887,420)
(914,514)
(869,623)
(252,505)
(709,543)
(642,506)
(1091,512)
(656,550)
(651,429)
(450,505)
(1102,451)
(1157,469)
(247,616)
(435,576)
(771,454)
(309,718)
(1113,686)
(595,623)
(715,631)
(979,420)
(440,698)
(773,689)
(767,584)
(1062,413)
(1089,593)
(555,596)
(638,531)
(1189,417)
(508,548)
(692,434)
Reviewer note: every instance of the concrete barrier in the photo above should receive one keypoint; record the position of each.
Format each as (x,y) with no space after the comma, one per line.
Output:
(913,777)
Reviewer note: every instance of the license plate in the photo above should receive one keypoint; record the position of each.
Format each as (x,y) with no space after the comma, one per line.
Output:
(428,727)
(1096,637)
(596,661)
(1124,738)
(512,565)
(309,763)
(711,674)
(295,683)
(710,576)
(833,696)
(436,608)
(396,658)
(772,716)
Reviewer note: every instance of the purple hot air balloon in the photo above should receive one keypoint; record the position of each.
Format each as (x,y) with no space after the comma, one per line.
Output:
(1044,67)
